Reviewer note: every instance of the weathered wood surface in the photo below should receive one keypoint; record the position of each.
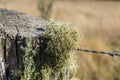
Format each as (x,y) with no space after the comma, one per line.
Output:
(15,29)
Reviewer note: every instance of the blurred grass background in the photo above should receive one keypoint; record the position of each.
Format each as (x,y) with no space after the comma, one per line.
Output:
(98,21)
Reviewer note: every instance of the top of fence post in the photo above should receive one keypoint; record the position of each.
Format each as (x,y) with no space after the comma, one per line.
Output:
(13,22)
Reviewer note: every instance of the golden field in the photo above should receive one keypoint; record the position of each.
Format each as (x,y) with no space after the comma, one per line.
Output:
(99,23)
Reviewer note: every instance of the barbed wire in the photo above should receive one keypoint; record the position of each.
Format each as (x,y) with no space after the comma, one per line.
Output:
(112,54)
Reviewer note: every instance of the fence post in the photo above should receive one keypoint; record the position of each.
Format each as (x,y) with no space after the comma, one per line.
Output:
(34,48)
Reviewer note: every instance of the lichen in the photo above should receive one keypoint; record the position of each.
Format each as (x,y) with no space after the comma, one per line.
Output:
(62,40)
(52,57)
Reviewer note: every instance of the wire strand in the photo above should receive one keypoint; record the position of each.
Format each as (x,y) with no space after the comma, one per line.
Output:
(98,52)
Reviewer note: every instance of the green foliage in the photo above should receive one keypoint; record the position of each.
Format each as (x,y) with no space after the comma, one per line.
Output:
(52,54)
(62,40)
(16,73)
(27,72)
(29,64)
(45,8)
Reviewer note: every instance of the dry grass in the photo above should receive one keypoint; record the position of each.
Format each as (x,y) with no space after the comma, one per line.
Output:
(100,24)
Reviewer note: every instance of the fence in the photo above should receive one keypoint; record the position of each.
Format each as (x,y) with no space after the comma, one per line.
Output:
(112,54)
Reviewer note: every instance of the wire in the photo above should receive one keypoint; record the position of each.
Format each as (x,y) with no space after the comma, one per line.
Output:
(98,52)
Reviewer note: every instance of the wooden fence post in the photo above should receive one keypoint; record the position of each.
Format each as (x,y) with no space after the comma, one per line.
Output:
(15,27)
(20,37)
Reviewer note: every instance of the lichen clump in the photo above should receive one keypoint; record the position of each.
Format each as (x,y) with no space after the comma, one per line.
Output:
(63,38)
(52,58)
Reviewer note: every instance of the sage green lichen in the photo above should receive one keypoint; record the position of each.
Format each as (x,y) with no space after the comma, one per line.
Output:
(53,57)
(63,38)
(29,63)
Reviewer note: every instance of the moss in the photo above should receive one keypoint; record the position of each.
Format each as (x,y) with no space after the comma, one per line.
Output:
(62,40)
(1,42)
(52,56)
(28,61)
